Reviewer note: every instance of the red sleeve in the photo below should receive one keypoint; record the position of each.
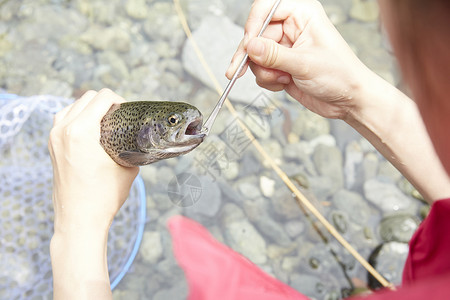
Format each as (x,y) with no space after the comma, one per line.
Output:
(429,253)
(427,270)
(427,289)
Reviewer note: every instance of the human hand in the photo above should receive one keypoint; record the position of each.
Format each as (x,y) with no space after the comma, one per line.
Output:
(303,53)
(89,187)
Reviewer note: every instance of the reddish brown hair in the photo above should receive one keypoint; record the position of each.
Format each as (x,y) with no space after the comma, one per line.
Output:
(421,40)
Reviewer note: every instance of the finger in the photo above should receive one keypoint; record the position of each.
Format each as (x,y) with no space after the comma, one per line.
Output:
(79,105)
(273,31)
(258,13)
(270,79)
(99,106)
(235,61)
(269,54)
(71,111)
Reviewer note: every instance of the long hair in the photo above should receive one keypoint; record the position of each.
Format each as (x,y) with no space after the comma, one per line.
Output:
(422,46)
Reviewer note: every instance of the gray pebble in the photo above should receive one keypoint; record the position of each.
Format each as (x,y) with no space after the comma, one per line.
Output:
(387,196)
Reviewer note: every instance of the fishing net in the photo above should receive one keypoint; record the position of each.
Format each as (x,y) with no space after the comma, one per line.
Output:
(26,210)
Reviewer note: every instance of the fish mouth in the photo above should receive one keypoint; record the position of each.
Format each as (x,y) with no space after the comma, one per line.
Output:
(188,137)
(194,128)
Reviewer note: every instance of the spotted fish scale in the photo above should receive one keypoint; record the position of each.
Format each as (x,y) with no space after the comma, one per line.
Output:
(142,132)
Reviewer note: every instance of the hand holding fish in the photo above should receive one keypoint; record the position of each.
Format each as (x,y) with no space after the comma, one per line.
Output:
(303,53)
(89,189)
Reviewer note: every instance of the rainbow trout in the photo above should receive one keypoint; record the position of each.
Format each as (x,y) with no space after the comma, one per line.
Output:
(143,132)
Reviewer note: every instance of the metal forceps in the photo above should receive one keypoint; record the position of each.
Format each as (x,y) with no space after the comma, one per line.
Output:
(212,117)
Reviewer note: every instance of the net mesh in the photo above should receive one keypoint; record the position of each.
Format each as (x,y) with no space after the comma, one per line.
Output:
(26,210)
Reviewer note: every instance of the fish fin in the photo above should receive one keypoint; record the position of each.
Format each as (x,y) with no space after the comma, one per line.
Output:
(136,158)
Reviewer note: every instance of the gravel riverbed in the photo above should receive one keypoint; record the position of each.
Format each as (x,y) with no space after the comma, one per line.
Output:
(138,49)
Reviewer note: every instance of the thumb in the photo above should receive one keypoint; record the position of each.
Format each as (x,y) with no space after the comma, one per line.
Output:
(269,54)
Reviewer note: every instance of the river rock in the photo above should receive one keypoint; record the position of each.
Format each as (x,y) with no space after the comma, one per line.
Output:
(398,227)
(294,228)
(309,125)
(335,13)
(314,287)
(329,163)
(370,165)
(257,212)
(218,38)
(112,69)
(267,186)
(106,38)
(285,205)
(365,10)
(353,204)
(388,259)
(210,199)
(162,24)
(242,236)
(178,291)
(137,9)
(386,169)
(249,189)
(322,186)
(353,159)
(151,247)
(323,139)
(387,197)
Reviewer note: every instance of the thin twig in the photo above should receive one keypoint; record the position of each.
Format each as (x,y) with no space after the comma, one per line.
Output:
(299,196)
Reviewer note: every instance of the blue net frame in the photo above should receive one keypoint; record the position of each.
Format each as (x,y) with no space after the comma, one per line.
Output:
(26,209)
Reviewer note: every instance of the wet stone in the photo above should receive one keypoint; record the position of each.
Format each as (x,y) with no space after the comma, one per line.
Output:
(398,228)
(322,187)
(364,10)
(309,125)
(370,165)
(285,205)
(312,286)
(242,236)
(136,9)
(267,186)
(339,220)
(387,196)
(353,204)
(387,170)
(217,52)
(138,48)
(257,213)
(353,159)
(388,259)
(151,248)
(329,163)
(210,198)
(294,228)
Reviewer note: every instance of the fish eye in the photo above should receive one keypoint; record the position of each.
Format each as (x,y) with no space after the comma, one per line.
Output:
(173,119)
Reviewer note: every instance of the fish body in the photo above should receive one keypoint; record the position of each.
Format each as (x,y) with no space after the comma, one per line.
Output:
(143,132)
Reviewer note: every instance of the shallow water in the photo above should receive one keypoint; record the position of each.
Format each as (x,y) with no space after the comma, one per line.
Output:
(138,49)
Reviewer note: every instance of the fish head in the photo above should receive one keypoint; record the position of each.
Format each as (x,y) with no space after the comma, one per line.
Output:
(171,129)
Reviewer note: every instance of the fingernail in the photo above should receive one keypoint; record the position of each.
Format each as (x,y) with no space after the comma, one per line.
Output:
(230,67)
(284,79)
(246,39)
(256,48)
